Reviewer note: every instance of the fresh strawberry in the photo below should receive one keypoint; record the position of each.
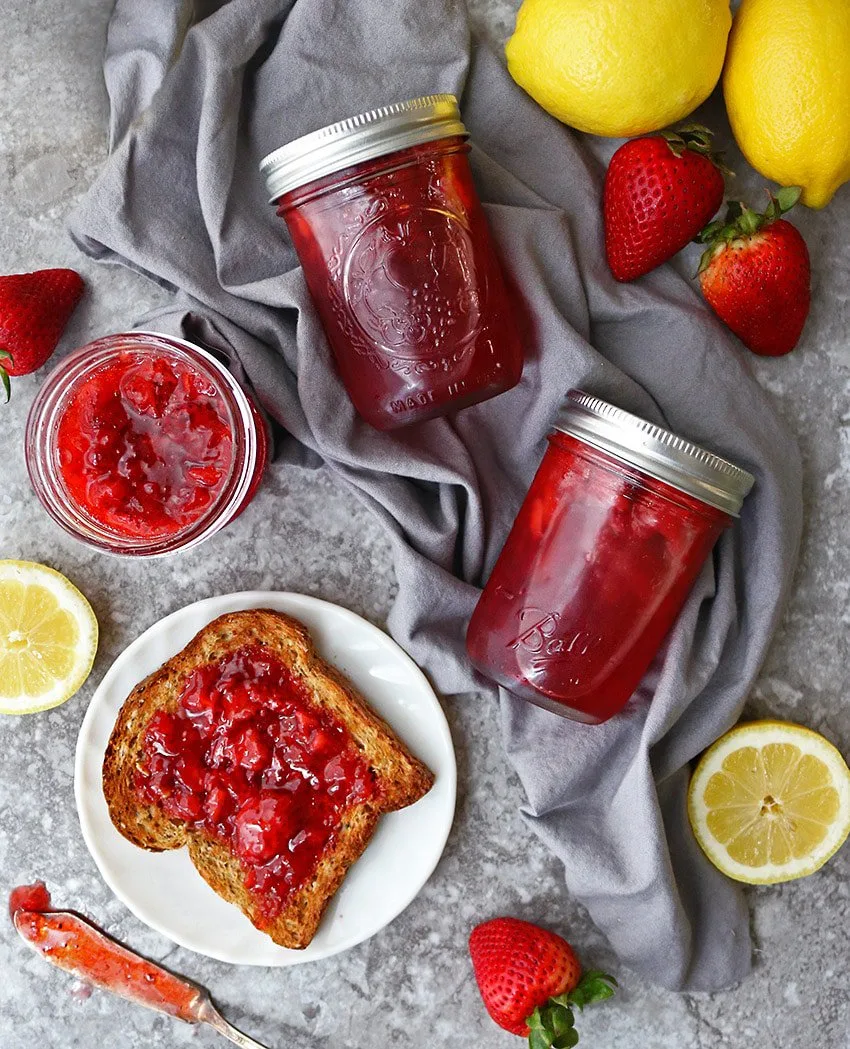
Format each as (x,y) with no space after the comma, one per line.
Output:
(34,309)
(755,274)
(529,980)
(659,193)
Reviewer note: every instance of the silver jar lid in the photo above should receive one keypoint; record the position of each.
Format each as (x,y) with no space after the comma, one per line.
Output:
(360,138)
(655,451)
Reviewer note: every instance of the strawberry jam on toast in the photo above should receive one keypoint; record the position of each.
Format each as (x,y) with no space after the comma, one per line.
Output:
(265,762)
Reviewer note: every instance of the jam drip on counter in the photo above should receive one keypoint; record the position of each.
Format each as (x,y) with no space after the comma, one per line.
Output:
(145,446)
(249,758)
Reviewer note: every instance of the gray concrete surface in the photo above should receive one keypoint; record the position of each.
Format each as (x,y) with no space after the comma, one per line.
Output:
(410,985)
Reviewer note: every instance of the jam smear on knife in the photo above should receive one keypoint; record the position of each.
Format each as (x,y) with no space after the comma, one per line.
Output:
(71,943)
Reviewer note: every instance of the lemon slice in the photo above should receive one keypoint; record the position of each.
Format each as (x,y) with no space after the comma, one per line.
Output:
(48,638)
(770,801)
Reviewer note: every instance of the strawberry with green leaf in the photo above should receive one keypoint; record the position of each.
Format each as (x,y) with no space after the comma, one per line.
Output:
(660,190)
(34,310)
(531,981)
(755,274)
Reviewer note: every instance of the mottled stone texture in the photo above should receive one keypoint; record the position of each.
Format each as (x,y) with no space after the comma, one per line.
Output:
(410,986)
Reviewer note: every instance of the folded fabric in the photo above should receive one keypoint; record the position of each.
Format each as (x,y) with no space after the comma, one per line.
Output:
(194,109)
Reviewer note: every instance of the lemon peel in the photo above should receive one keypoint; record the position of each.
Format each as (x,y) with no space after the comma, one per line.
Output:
(611,69)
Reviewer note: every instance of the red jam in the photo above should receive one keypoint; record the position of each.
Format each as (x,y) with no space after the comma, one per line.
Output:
(145,445)
(33,897)
(141,444)
(250,758)
(398,259)
(593,574)
(75,945)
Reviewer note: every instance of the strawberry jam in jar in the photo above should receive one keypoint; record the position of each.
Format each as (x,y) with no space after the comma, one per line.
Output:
(611,537)
(397,256)
(144,444)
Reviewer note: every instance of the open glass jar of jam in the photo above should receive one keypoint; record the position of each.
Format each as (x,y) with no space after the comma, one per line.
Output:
(612,534)
(398,259)
(144,444)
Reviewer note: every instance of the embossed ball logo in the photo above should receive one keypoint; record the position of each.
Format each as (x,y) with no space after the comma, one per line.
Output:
(545,642)
(410,283)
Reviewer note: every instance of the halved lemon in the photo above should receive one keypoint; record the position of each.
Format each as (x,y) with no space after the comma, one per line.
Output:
(48,638)
(770,801)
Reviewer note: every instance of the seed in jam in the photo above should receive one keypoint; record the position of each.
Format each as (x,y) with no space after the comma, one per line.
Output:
(250,758)
(145,446)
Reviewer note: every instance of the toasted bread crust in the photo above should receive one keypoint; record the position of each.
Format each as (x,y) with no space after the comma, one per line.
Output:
(401,779)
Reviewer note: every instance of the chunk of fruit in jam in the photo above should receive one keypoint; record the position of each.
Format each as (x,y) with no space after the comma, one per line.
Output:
(252,750)
(250,758)
(146,446)
(33,897)
(264,826)
(147,387)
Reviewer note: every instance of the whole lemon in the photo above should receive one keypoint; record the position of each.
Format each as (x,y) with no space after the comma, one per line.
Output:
(787,89)
(616,67)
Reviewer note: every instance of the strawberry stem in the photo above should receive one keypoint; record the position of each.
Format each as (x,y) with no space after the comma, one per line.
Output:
(4,375)
(698,139)
(741,222)
(552,1026)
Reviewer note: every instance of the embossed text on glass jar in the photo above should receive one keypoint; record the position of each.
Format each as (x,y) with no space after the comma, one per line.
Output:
(398,259)
(596,568)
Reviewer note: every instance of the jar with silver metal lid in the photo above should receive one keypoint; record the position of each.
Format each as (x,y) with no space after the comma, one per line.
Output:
(397,256)
(610,538)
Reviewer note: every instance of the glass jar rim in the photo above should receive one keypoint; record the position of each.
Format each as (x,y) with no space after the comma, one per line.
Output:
(657,452)
(357,139)
(42,426)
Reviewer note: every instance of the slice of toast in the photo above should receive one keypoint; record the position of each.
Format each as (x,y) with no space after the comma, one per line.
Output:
(400,778)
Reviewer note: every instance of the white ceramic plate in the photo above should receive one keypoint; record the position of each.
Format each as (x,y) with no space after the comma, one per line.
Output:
(165,891)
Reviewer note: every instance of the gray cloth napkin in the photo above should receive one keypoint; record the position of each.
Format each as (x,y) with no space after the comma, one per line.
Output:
(180,199)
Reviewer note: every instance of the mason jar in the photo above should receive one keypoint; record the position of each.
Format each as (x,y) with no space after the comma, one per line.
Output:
(609,540)
(142,444)
(397,256)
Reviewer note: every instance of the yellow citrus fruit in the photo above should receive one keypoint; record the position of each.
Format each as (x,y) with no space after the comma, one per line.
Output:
(619,68)
(770,801)
(787,90)
(48,638)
